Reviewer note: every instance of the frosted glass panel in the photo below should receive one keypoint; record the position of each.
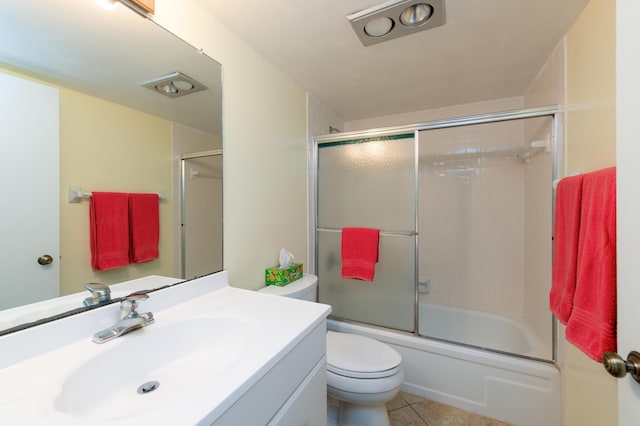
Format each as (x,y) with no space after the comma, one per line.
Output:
(202,225)
(485,195)
(386,301)
(368,184)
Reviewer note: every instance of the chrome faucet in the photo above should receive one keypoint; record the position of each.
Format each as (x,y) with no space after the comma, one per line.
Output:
(131,319)
(100,293)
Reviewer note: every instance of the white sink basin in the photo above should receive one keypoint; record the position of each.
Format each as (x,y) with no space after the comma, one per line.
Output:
(209,346)
(106,386)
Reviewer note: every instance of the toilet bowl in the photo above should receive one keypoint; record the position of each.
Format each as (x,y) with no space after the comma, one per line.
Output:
(363,374)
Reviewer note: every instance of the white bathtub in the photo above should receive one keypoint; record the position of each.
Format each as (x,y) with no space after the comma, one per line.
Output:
(520,391)
(482,329)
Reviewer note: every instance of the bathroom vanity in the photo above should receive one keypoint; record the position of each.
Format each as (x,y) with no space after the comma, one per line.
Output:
(215,355)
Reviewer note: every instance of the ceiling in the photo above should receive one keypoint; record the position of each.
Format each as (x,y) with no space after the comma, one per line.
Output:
(486,50)
(107,54)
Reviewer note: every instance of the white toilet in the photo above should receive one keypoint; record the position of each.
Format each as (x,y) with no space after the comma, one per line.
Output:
(363,374)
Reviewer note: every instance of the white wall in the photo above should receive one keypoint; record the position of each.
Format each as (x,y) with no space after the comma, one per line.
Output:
(590,393)
(506,104)
(265,147)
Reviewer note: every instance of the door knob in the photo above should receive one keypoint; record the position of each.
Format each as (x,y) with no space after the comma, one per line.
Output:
(618,367)
(45,259)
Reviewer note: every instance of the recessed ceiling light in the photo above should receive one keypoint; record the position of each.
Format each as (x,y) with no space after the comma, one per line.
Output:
(416,14)
(183,84)
(174,85)
(379,27)
(396,18)
(169,89)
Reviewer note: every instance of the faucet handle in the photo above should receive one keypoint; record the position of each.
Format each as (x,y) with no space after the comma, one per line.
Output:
(137,295)
(129,304)
(99,293)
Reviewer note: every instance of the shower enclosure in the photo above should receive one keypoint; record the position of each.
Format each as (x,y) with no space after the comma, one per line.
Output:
(201,205)
(464,209)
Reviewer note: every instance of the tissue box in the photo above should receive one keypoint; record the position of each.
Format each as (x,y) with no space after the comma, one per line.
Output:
(282,277)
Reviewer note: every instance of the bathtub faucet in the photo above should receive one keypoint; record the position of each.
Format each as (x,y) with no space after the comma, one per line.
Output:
(131,319)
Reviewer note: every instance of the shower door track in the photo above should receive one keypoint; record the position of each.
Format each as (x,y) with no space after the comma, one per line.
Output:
(546,111)
(440,124)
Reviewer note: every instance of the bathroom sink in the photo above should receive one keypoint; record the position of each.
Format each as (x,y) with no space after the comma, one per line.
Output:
(155,366)
(209,353)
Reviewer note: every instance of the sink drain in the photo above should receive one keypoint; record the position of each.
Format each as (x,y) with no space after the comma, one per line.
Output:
(148,387)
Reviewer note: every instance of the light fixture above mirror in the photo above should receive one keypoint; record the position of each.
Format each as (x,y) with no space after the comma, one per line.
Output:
(394,19)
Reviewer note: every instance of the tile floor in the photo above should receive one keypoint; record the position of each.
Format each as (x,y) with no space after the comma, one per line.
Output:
(411,410)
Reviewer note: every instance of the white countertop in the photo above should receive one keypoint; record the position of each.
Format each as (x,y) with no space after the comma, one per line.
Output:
(37,365)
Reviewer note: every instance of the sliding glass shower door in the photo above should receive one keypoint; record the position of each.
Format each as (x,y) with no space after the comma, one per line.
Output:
(369,183)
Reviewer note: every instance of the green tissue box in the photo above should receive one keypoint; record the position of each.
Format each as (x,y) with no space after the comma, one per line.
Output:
(282,277)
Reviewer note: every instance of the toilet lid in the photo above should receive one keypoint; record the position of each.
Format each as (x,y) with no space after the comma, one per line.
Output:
(352,355)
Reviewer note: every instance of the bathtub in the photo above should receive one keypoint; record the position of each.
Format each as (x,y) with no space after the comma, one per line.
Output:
(482,329)
(519,391)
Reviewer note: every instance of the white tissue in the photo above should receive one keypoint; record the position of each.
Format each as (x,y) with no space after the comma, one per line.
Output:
(286,259)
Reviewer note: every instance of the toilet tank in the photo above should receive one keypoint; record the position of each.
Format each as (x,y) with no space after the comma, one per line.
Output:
(303,289)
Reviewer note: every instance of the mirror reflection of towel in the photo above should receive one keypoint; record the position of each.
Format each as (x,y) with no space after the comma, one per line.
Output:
(144,213)
(109,230)
(359,253)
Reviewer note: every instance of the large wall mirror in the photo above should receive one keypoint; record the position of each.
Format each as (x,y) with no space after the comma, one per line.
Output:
(105,131)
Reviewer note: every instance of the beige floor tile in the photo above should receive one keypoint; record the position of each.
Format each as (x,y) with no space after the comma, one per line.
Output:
(405,417)
(398,402)
(410,398)
(407,409)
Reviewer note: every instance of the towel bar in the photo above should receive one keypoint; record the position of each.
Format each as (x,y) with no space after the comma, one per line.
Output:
(76,194)
(394,233)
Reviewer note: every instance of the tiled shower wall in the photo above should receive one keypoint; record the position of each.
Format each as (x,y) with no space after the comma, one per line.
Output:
(472,210)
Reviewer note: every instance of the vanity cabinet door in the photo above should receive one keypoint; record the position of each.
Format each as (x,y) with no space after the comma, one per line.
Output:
(308,404)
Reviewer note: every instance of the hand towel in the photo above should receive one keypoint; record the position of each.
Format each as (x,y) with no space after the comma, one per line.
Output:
(565,246)
(592,324)
(359,253)
(109,230)
(144,214)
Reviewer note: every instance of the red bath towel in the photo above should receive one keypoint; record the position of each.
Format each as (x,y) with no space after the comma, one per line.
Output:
(144,213)
(565,246)
(359,253)
(592,324)
(109,230)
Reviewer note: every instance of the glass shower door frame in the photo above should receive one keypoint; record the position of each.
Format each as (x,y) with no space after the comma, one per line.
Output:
(557,170)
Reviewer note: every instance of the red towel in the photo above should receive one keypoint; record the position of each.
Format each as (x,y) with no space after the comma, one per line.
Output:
(359,253)
(109,230)
(592,324)
(144,213)
(565,246)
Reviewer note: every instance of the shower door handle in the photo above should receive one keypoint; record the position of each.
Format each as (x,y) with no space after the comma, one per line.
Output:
(618,367)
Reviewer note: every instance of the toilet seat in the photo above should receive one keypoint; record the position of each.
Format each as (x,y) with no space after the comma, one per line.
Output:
(360,357)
